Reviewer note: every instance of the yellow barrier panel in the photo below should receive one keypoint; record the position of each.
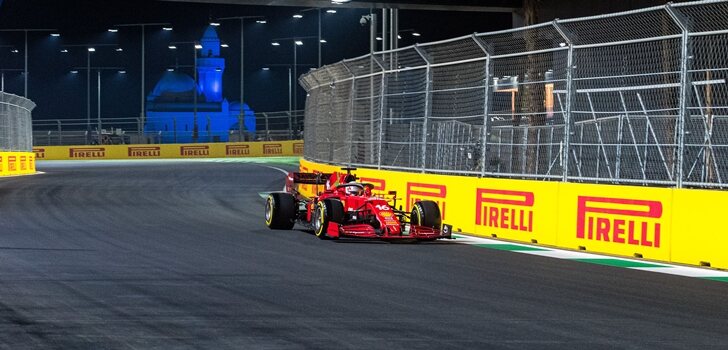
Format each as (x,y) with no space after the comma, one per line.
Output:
(519,210)
(671,225)
(621,220)
(199,150)
(17,163)
(700,233)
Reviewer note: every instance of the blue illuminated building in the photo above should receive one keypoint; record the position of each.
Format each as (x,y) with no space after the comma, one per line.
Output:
(170,106)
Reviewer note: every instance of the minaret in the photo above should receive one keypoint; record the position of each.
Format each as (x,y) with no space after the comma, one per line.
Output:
(210,66)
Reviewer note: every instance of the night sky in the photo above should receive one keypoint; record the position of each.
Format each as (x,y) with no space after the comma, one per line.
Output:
(60,94)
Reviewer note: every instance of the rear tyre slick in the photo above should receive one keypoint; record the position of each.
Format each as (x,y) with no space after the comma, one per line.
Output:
(327,211)
(427,214)
(280,211)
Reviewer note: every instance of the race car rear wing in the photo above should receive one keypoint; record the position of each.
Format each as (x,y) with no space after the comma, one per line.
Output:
(308,178)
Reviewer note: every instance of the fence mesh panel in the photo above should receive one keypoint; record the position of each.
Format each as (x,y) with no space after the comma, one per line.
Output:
(634,97)
(15,123)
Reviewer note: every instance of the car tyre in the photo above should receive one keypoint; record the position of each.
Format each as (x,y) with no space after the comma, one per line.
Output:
(427,214)
(327,211)
(280,211)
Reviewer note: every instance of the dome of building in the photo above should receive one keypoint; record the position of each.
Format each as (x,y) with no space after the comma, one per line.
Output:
(210,34)
(174,85)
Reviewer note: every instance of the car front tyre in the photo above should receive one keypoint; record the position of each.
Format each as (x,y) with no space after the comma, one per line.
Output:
(280,211)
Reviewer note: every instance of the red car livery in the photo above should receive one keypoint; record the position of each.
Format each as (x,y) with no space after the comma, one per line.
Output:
(344,207)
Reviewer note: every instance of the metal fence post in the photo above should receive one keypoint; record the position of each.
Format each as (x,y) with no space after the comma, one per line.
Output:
(60,132)
(486,107)
(683,94)
(381,111)
(240,125)
(267,130)
(352,96)
(568,120)
(428,105)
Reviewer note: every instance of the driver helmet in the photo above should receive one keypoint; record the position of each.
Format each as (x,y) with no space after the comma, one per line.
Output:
(354,190)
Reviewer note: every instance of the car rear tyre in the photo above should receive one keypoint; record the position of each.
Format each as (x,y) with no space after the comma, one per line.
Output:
(280,211)
(327,211)
(426,213)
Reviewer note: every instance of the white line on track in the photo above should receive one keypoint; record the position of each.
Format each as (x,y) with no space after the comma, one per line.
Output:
(276,168)
(661,267)
(279,169)
(19,175)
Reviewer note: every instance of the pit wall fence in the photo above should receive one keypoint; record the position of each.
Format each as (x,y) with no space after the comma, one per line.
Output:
(163,151)
(685,226)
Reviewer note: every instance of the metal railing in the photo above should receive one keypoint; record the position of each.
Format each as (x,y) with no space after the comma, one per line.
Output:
(270,126)
(15,128)
(635,97)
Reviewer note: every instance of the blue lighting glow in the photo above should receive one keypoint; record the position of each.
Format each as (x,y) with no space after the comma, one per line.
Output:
(172,102)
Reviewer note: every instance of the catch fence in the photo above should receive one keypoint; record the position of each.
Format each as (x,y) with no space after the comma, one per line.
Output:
(15,123)
(270,126)
(638,97)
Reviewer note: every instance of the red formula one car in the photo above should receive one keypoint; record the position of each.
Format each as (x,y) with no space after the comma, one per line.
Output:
(347,208)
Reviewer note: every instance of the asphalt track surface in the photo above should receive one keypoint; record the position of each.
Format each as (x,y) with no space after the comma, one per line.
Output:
(175,255)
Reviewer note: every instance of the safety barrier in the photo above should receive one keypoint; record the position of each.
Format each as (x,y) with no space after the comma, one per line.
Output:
(161,151)
(17,163)
(665,224)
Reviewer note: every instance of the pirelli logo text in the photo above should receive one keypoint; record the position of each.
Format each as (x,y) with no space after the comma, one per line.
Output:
(23,163)
(237,150)
(617,220)
(87,152)
(510,210)
(272,148)
(12,163)
(144,152)
(39,153)
(2,165)
(417,192)
(298,148)
(194,151)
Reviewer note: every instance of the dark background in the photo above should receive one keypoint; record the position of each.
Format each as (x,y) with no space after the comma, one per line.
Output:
(60,94)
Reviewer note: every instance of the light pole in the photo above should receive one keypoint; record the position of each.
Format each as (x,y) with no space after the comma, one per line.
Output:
(25,65)
(3,70)
(320,39)
(296,42)
(120,70)
(196,46)
(2,76)
(290,87)
(165,27)
(90,48)
(242,52)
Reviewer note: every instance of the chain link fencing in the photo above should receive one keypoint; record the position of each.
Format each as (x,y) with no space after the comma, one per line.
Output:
(270,126)
(636,97)
(15,123)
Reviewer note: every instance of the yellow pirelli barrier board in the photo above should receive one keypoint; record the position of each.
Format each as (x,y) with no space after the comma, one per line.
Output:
(17,163)
(672,225)
(198,150)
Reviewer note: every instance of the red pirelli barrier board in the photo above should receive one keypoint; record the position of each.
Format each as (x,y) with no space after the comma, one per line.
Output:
(198,150)
(663,224)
